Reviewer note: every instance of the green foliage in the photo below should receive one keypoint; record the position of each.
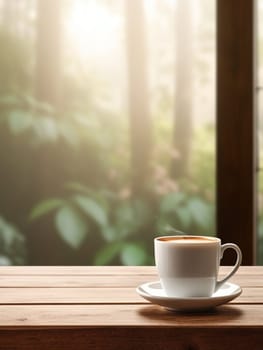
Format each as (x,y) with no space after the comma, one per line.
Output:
(101,219)
(12,245)
(108,253)
(204,161)
(92,209)
(123,226)
(133,254)
(19,122)
(186,213)
(86,148)
(118,223)
(45,207)
(96,140)
(71,226)
(25,115)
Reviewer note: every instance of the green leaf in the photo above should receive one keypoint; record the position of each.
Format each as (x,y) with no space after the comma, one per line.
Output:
(19,121)
(200,212)
(171,201)
(75,186)
(133,254)
(109,233)
(12,244)
(108,253)
(125,220)
(92,209)
(5,261)
(184,216)
(45,207)
(46,128)
(71,226)
(9,234)
(125,216)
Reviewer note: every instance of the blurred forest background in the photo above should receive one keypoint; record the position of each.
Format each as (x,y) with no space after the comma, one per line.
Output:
(107,128)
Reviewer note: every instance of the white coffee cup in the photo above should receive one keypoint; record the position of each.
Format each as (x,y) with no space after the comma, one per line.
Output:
(188,265)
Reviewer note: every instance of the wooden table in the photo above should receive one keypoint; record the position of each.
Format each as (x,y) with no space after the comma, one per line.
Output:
(98,308)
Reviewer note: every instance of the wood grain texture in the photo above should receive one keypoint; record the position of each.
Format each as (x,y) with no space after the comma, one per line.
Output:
(72,281)
(103,270)
(156,338)
(118,315)
(98,308)
(69,296)
(77,270)
(97,296)
(117,277)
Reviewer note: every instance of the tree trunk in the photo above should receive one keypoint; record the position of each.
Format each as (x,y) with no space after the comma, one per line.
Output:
(48,52)
(183,89)
(138,94)
(48,90)
(8,16)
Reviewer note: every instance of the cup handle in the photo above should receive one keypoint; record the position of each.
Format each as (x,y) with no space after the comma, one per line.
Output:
(236,266)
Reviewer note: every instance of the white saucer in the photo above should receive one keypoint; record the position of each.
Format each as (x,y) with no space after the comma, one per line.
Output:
(154,293)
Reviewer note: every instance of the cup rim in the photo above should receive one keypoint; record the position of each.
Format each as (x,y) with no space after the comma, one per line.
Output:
(164,239)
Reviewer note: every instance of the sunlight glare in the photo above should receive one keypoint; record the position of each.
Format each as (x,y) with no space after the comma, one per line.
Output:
(92,29)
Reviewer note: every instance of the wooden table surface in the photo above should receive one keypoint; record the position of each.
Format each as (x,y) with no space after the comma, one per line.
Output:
(98,308)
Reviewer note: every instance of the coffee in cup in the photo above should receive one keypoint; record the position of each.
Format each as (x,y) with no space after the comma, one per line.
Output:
(188,265)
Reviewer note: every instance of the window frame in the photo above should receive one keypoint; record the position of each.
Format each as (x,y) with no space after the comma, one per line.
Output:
(236,141)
